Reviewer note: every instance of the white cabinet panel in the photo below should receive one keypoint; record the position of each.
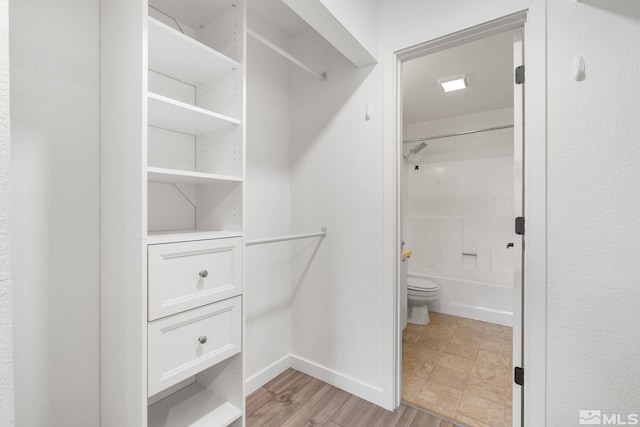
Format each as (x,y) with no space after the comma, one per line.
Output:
(187,343)
(186,275)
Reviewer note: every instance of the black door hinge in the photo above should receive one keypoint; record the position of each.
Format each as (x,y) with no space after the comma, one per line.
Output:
(518,375)
(520,225)
(520,75)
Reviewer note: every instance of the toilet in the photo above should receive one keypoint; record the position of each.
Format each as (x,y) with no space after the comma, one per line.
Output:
(421,293)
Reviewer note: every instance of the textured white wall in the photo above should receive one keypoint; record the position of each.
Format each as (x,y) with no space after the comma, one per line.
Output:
(336,180)
(55,223)
(400,19)
(267,289)
(593,209)
(7,410)
(593,177)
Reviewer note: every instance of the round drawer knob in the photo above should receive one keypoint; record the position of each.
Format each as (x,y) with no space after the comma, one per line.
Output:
(202,339)
(203,273)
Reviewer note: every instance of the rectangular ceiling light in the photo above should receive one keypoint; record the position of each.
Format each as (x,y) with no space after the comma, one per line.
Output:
(449,84)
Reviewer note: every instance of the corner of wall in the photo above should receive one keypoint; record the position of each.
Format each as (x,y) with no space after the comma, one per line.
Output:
(7,401)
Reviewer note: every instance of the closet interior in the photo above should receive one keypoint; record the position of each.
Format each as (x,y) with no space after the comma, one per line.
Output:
(196,160)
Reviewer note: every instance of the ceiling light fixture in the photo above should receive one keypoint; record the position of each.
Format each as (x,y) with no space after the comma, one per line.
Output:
(449,84)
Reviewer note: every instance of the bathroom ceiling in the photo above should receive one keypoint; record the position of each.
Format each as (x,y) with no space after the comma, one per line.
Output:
(279,14)
(487,62)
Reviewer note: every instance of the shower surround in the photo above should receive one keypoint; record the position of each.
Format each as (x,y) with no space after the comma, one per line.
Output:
(458,222)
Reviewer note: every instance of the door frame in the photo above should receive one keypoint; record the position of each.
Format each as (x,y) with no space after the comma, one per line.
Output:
(462,30)
(518,205)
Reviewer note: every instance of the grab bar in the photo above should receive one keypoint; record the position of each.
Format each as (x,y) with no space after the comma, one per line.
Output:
(468,254)
(322,233)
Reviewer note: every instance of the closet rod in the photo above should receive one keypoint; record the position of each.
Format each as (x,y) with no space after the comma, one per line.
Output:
(322,233)
(320,76)
(429,138)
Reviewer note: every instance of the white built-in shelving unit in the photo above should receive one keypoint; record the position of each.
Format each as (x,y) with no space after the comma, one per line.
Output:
(177,116)
(172,167)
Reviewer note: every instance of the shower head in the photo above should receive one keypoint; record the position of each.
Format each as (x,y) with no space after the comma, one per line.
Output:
(415,150)
(418,148)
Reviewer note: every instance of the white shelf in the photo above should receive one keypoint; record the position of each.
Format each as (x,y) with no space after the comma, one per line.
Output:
(187,177)
(194,13)
(193,406)
(167,113)
(183,58)
(174,236)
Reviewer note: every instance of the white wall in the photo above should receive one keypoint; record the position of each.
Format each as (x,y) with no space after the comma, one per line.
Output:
(267,289)
(461,197)
(592,179)
(338,177)
(461,206)
(401,19)
(593,209)
(336,180)
(7,410)
(55,222)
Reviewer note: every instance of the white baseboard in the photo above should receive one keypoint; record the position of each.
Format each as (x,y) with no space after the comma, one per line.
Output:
(267,374)
(356,387)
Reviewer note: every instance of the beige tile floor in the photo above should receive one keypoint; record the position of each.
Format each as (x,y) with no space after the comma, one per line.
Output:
(459,368)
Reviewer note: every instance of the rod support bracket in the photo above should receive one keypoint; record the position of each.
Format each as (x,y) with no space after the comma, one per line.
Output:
(324,229)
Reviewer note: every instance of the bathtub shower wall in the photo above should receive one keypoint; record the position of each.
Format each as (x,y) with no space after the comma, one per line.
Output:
(459,215)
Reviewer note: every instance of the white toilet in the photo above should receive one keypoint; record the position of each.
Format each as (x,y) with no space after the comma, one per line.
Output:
(421,293)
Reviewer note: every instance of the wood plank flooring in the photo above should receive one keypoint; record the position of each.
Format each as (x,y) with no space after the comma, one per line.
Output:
(294,399)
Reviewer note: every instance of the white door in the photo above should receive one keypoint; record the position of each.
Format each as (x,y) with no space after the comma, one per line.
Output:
(518,248)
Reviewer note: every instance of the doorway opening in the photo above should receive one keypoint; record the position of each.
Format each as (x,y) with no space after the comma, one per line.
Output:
(461,187)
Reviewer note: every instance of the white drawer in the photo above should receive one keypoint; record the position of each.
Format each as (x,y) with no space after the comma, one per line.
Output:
(186,275)
(182,345)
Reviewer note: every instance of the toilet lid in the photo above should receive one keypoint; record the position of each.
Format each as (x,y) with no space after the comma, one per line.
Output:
(421,284)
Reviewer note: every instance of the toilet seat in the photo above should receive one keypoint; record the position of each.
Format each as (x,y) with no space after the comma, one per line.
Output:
(421,285)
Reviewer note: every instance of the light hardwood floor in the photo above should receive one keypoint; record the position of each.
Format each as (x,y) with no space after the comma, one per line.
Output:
(294,399)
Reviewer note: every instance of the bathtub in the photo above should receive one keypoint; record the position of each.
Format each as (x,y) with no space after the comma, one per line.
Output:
(480,295)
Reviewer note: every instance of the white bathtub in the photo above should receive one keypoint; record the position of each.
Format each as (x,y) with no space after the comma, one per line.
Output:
(486,295)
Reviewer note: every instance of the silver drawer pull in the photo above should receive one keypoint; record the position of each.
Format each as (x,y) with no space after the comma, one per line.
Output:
(202,339)
(203,273)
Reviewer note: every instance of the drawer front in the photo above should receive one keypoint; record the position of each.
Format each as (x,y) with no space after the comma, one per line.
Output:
(186,275)
(182,345)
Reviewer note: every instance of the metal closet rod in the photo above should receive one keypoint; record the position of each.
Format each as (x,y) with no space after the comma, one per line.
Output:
(469,132)
(322,76)
(322,233)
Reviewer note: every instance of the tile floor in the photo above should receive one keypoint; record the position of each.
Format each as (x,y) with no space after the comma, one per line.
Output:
(459,368)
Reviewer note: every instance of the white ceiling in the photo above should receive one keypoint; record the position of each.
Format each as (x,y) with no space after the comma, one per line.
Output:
(279,14)
(487,62)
